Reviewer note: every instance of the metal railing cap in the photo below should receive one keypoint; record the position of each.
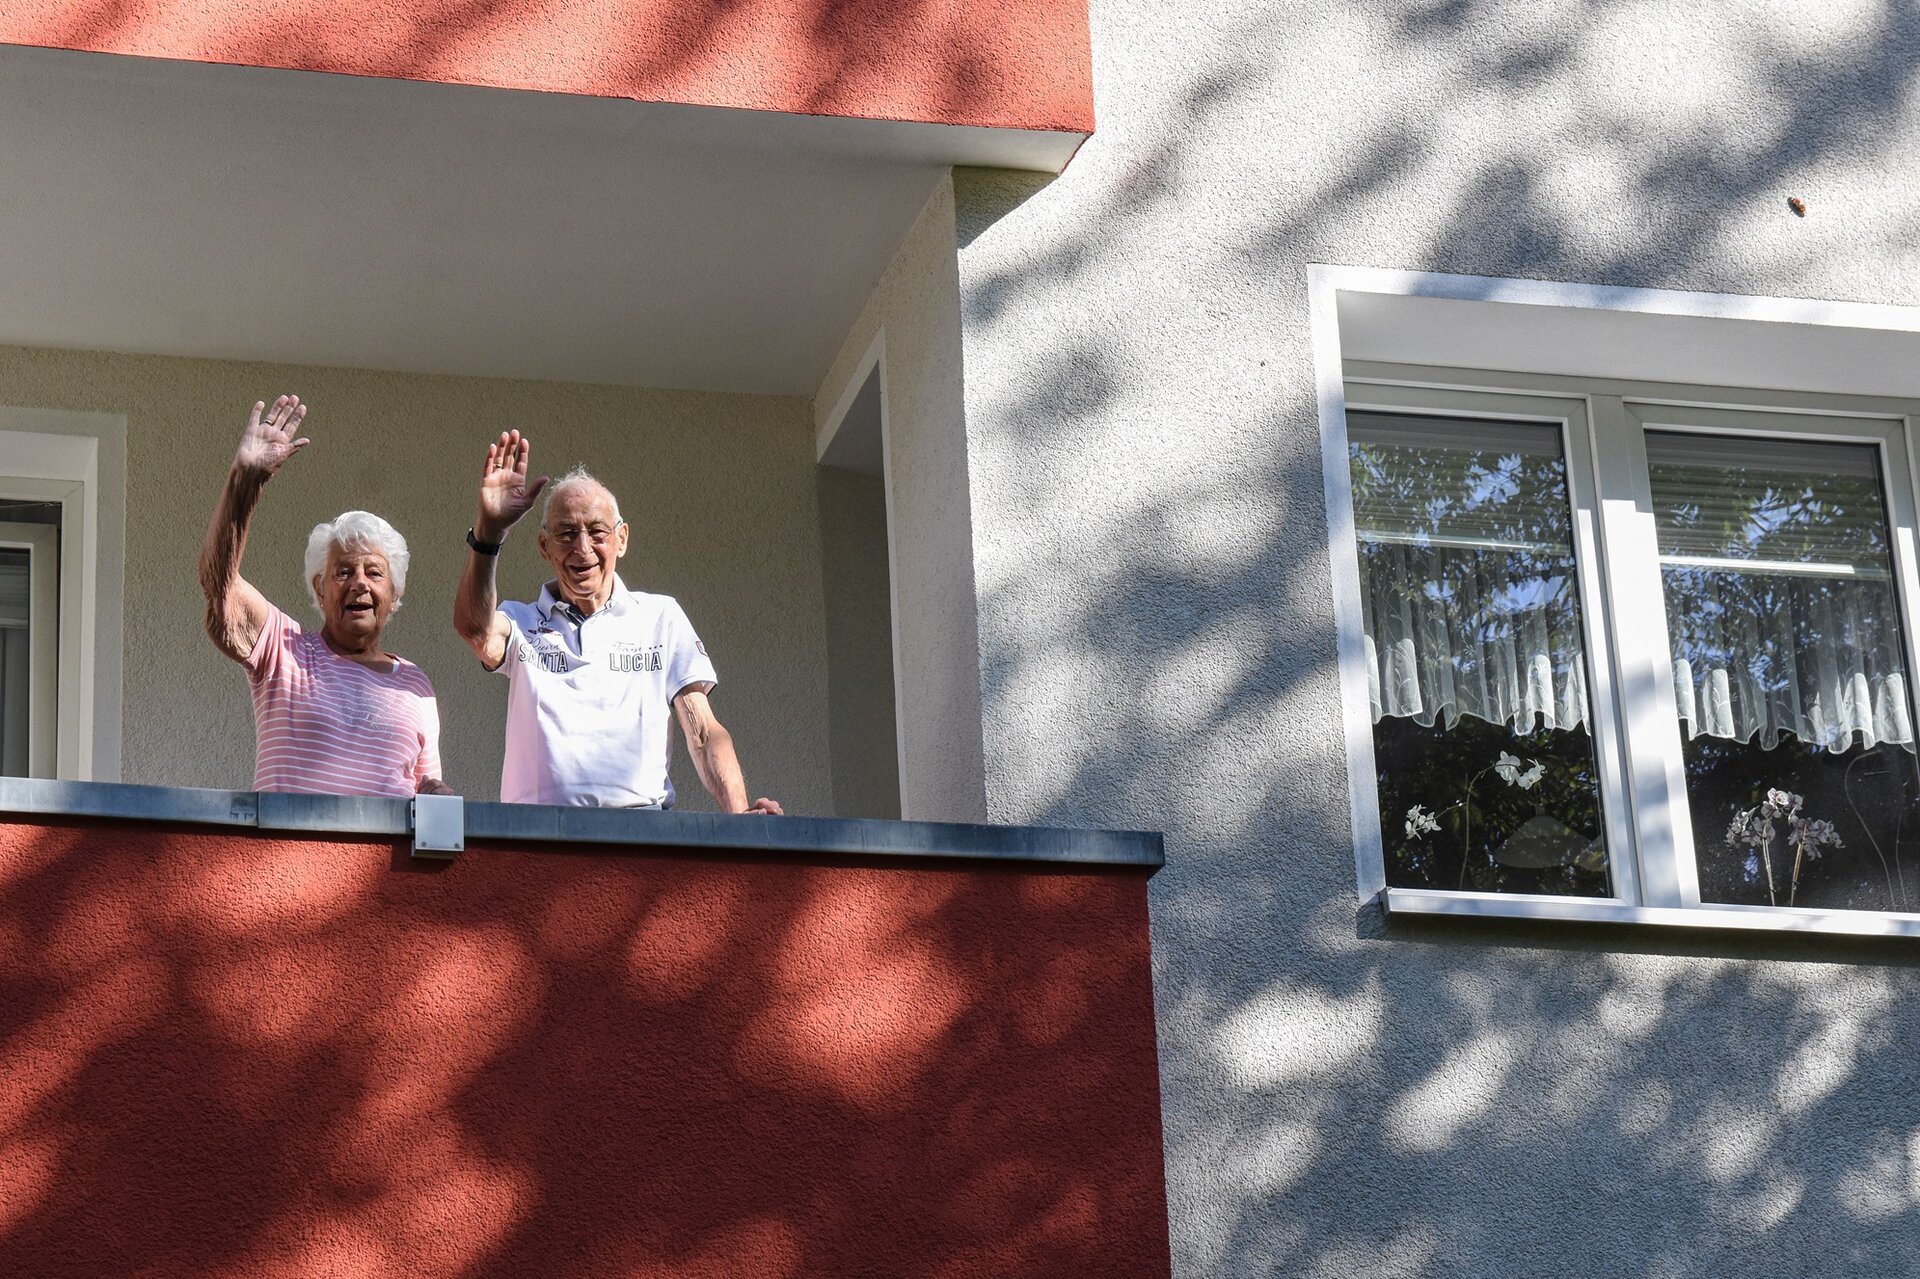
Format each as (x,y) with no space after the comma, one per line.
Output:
(539,823)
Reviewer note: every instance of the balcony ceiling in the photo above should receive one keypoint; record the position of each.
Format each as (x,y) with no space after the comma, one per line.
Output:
(239,213)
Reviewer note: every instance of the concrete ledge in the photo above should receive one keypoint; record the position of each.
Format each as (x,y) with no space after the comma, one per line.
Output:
(540,823)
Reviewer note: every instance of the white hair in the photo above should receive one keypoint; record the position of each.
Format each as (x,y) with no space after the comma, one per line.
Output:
(578,476)
(357,531)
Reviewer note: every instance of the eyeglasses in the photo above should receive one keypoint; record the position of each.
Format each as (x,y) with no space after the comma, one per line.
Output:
(596,534)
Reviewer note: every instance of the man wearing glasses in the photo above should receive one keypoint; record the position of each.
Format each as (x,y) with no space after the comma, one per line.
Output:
(593,667)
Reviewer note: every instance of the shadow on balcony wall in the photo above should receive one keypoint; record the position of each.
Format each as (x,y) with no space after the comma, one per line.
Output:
(229,1054)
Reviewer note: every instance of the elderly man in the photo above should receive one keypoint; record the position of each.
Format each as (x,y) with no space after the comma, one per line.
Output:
(593,666)
(333,712)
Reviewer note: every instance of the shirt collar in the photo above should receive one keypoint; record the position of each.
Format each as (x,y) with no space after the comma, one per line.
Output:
(550,602)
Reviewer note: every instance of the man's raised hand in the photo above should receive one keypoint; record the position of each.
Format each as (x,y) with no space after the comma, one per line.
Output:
(269,440)
(505,494)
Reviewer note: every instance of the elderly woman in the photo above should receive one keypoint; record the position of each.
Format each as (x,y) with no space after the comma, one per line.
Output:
(333,712)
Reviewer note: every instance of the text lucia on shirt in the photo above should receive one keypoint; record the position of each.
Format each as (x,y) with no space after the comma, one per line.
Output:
(626,658)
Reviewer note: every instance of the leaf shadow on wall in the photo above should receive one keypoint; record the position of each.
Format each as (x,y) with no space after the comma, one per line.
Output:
(1345,1094)
(226,1055)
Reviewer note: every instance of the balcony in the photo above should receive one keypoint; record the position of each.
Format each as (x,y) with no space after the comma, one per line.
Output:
(744,318)
(254,1034)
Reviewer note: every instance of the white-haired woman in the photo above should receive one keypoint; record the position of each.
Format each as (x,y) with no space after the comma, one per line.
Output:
(333,712)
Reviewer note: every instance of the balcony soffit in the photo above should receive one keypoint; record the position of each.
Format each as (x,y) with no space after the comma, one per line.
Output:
(172,208)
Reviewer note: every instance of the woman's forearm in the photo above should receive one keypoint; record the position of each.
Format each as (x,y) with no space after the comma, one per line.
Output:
(226,540)
(235,611)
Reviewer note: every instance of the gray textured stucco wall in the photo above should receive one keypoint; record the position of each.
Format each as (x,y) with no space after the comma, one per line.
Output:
(1344,1096)
(718,489)
(916,306)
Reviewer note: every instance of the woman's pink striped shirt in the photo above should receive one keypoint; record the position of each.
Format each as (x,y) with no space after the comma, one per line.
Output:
(326,726)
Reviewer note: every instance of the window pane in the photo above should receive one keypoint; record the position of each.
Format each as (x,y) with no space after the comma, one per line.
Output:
(15,684)
(1476,664)
(1789,671)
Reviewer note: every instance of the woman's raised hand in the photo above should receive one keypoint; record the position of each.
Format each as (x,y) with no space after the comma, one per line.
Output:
(269,440)
(505,494)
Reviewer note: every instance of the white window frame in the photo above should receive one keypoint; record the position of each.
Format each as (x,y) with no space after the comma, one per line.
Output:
(1637,741)
(79,460)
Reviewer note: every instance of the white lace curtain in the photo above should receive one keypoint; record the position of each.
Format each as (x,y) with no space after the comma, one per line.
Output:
(1761,657)
(1454,631)
(1465,554)
(1774,563)
(1780,606)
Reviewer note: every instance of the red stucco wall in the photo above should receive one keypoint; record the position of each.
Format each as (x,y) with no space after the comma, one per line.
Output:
(1007,63)
(229,1055)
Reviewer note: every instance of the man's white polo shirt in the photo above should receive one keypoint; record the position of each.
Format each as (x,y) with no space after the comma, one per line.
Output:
(589,712)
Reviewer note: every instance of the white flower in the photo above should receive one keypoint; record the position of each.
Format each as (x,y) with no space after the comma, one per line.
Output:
(1782,803)
(1748,828)
(1818,834)
(1420,822)
(1510,772)
(1753,827)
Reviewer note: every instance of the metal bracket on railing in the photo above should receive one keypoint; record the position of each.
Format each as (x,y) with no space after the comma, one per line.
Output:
(439,826)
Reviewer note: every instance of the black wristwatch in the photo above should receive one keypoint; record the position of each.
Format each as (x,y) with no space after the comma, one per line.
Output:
(485,548)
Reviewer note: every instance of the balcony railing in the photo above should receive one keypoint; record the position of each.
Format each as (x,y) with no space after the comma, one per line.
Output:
(252,1034)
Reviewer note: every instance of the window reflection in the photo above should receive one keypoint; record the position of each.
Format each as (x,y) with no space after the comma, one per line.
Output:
(1476,662)
(1789,670)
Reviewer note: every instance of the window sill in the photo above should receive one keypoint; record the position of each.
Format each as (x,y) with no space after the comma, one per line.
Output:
(1763,919)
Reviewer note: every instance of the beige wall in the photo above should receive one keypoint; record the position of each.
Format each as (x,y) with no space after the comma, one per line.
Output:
(719,490)
(915,309)
(859,613)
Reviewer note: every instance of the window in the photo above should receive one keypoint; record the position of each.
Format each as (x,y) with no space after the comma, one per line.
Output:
(29,637)
(1628,650)
(1476,657)
(1789,669)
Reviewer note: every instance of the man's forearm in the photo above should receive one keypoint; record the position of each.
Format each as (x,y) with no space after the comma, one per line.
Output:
(719,768)
(477,599)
